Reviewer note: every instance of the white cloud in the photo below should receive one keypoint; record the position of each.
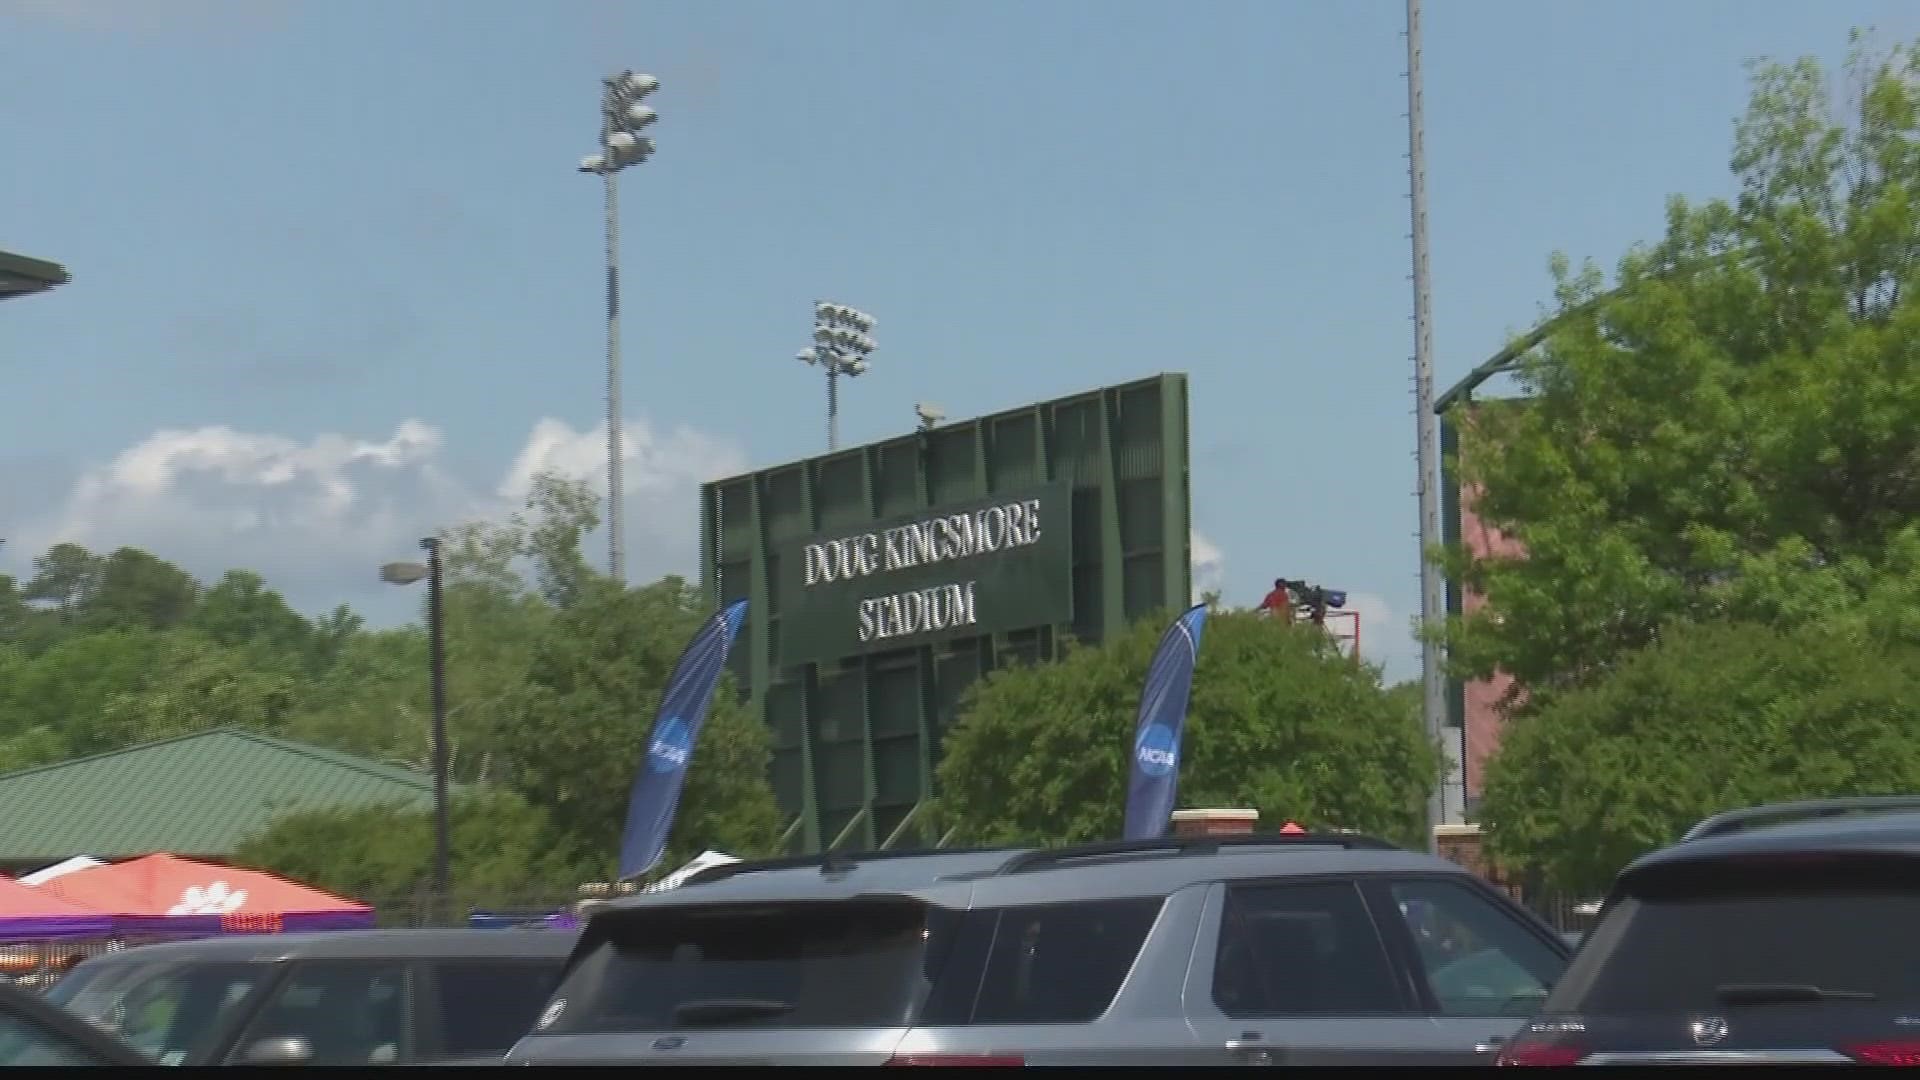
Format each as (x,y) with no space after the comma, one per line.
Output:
(317,517)
(1386,637)
(1209,564)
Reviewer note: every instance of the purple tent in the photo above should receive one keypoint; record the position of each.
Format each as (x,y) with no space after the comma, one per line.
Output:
(27,914)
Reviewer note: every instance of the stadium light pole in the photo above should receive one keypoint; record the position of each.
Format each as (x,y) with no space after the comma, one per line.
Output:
(1433,602)
(622,119)
(407,573)
(840,346)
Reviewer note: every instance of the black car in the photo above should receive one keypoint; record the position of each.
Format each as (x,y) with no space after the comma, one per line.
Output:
(1782,934)
(37,1034)
(345,997)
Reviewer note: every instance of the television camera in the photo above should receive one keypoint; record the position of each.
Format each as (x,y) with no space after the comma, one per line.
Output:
(1313,601)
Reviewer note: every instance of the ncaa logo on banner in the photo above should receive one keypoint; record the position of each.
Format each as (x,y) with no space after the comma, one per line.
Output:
(1155,750)
(671,746)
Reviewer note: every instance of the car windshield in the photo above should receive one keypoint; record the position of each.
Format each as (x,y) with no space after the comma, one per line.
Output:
(172,1012)
(1688,941)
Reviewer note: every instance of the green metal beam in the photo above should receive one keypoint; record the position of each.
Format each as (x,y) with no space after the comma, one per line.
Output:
(23,276)
(901,829)
(858,820)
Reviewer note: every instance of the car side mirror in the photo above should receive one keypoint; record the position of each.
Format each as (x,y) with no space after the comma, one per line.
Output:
(285,1050)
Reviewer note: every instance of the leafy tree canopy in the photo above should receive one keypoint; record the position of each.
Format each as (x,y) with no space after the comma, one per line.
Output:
(1712,716)
(1278,722)
(1733,432)
(500,845)
(553,674)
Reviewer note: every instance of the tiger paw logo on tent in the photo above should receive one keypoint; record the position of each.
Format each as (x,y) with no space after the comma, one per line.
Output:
(216,899)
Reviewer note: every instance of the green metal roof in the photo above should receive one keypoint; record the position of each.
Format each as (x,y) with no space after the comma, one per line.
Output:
(21,276)
(199,794)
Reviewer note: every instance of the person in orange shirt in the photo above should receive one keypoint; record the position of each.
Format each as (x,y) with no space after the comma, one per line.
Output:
(1279,602)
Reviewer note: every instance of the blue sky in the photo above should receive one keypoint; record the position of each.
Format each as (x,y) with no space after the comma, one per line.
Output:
(336,281)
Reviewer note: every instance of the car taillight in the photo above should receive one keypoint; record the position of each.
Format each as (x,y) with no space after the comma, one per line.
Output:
(964,1061)
(1897,1052)
(1541,1053)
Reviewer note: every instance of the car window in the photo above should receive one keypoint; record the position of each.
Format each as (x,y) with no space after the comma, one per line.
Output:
(485,1006)
(865,963)
(26,1044)
(1478,958)
(349,1013)
(1669,945)
(1060,963)
(1302,949)
(175,1013)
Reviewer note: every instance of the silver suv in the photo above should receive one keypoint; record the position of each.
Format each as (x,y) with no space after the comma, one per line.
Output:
(1269,950)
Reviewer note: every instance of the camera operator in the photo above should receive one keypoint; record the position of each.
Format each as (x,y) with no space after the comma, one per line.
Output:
(1279,603)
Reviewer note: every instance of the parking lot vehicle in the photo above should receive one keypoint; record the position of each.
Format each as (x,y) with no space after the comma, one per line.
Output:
(1267,949)
(36,1034)
(346,997)
(1775,934)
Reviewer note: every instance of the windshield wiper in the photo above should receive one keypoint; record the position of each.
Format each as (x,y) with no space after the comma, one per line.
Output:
(725,1010)
(1783,993)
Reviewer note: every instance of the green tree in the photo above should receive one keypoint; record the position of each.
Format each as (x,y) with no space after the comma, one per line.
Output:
(501,846)
(240,611)
(138,589)
(577,735)
(1733,431)
(66,577)
(1711,717)
(58,696)
(1278,721)
(196,684)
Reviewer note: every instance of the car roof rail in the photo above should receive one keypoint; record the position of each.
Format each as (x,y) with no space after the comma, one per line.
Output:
(1732,821)
(1171,846)
(828,862)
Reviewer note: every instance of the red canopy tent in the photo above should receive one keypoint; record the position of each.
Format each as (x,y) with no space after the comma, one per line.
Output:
(27,914)
(169,893)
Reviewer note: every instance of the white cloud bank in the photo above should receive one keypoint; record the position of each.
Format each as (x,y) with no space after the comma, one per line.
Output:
(1209,564)
(317,518)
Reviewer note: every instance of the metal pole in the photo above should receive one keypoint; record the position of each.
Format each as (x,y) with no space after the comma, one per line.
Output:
(1433,698)
(436,637)
(833,405)
(616,442)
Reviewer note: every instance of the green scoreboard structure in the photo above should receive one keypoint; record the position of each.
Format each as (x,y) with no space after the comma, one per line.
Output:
(884,579)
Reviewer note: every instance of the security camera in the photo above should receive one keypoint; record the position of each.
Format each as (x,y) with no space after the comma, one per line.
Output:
(929,414)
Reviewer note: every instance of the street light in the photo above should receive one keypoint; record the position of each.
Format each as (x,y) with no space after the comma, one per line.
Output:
(840,345)
(930,415)
(622,119)
(407,573)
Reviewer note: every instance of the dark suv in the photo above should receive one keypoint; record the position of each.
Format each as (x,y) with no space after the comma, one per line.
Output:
(1783,934)
(1260,950)
(341,997)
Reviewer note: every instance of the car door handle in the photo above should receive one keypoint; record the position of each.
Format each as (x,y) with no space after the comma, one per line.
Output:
(1251,1051)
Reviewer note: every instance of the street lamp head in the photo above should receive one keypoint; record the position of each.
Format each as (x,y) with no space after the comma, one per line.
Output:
(638,116)
(929,414)
(403,573)
(856,367)
(593,163)
(807,356)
